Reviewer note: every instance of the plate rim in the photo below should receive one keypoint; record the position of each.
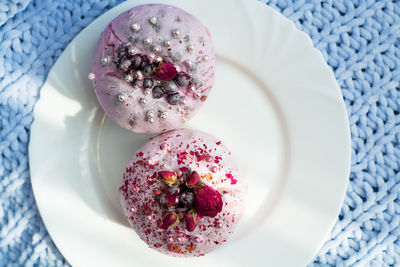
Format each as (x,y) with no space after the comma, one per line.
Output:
(347,129)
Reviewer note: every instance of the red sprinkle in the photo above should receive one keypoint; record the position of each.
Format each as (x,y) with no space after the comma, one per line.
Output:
(182,157)
(230,176)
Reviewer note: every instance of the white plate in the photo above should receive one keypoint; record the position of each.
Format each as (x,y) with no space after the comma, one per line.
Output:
(275,103)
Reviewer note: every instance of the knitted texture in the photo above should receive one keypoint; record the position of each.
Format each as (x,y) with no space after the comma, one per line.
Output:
(360,40)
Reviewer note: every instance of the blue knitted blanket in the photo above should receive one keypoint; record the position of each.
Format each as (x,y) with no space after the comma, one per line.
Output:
(360,40)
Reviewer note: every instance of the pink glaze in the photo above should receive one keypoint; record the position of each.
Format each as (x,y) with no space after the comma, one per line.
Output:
(193,44)
(170,152)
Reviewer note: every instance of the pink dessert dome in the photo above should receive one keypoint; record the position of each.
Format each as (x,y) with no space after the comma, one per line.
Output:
(182,193)
(153,68)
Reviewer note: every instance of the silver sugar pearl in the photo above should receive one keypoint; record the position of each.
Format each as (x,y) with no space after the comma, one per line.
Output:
(159,59)
(121,97)
(152,56)
(163,116)
(151,120)
(104,60)
(189,63)
(170,240)
(133,209)
(147,41)
(147,92)
(91,76)
(176,33)
(149,217)
(157,81)
(131,51)
(190,48)
(150,114)
(197,95)
(135,27)
(156,48)
(192,88)
(143,101)
(205,58)
(179,239)
(219,225)
(167,43)
(214,169)
(128,78)
(183,101)
(153,20)
(196,239)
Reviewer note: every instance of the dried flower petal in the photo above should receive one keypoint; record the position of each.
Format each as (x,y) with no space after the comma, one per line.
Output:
(159,223)
(174,248)
(191,219)
(168,177)
(171,199)
(166,72)
(208,201)
(190,248)
(193,179)
(171,219)
(201,156)
(184,169)
(183,156)
(157,192)
(180,215)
